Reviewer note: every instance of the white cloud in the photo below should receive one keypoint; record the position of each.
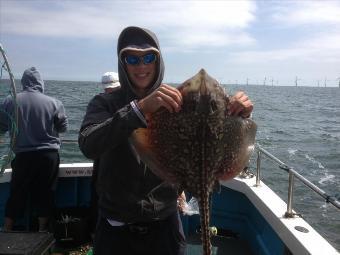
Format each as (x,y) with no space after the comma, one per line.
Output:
(308,12)
(207,40)
(203,14)
(190,24)
(295,54)
(50,19)
(323,41)
(319,42)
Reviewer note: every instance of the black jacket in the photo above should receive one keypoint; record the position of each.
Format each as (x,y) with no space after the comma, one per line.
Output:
(128,191)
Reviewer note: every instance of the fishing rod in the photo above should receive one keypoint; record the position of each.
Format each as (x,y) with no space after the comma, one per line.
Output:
(7,158)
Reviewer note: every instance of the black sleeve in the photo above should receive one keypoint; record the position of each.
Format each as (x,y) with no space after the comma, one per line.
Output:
(105,127)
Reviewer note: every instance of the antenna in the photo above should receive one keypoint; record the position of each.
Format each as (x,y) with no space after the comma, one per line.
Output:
(272,81)
(325,82)
(264,81)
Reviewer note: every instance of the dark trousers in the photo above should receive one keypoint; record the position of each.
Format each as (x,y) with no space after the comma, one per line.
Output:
(94,196)
(157,238)
(34,176)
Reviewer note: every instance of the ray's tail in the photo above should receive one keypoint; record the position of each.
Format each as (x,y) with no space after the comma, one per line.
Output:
(204,197)
(205,220)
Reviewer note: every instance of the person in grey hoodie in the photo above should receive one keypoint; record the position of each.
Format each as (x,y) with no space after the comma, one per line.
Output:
(35,167)
(138,211)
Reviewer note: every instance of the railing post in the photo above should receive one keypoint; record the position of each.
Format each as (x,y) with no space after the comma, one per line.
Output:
(289,212)
(258,168)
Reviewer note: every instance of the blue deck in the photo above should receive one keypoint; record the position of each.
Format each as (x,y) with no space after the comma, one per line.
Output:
(231,210)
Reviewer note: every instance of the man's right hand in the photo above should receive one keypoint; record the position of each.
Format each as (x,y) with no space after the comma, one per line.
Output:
(165,96)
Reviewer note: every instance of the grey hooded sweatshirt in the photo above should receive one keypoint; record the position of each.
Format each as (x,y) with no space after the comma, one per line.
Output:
(40,118)
(128,191)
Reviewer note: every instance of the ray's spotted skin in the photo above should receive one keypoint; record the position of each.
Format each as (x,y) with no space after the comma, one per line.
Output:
(199,145)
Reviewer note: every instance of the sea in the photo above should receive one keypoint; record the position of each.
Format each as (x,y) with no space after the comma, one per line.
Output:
(298,125)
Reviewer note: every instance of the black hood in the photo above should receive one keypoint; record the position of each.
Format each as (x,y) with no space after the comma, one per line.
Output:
(139,37)
(32,81)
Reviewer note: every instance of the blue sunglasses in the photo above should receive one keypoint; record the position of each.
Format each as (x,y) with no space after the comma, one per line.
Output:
(135,60)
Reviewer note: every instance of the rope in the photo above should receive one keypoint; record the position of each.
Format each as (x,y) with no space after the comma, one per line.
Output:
(13,117)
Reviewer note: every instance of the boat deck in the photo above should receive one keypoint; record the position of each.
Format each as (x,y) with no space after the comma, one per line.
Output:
(221,245)
(43,243)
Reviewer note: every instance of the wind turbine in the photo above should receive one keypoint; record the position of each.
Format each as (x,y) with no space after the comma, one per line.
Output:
(247,81)
(325,82)
(296,81)
(264,81)
(339,81)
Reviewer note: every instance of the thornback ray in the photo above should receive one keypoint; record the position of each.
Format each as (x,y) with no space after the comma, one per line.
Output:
(199,145)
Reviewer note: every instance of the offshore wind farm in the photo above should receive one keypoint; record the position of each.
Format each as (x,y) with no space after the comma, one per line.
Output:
(297,81)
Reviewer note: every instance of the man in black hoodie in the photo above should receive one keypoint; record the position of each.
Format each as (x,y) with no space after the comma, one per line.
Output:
(137,210)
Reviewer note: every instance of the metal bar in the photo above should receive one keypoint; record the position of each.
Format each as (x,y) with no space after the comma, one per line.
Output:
(272,157)
(289,212)
(11,76)
(316,189)
(258,168)
(14,95)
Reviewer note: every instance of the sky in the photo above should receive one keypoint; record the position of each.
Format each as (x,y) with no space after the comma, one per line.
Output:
(271,42)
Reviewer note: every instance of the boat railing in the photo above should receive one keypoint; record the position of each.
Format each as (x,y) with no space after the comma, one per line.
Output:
(292,175)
